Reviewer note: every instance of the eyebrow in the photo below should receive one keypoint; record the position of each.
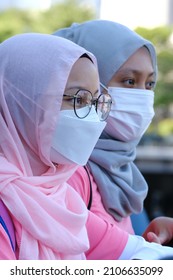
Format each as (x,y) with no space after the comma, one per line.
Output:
(129,70)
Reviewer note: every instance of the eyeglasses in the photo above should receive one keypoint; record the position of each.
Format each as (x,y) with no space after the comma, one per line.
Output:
(84,99)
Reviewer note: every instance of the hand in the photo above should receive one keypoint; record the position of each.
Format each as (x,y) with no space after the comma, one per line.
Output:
(160,230)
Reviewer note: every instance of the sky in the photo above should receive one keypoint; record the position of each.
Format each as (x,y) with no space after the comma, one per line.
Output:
(133,13)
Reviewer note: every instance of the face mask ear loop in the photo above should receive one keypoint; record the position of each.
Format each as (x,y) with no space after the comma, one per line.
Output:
(104,87)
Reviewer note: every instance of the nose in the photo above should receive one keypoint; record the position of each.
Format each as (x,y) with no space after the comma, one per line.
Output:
(140,85)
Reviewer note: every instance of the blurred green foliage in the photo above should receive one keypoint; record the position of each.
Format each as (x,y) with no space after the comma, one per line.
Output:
(159,36)
(14,21)
(165,127)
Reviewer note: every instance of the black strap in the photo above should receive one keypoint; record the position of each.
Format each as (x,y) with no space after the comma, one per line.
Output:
(90,199)
(7,224)
(7,231)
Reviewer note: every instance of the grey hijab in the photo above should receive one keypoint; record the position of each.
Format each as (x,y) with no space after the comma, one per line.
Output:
(121,185)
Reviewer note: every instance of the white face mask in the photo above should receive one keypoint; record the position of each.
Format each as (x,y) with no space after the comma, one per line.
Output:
(74,138)
(131,113)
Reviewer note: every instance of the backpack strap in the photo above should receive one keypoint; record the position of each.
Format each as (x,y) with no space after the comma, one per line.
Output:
(90,198)
(7,224)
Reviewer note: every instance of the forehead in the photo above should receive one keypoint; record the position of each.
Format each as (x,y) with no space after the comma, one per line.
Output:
(84,75)
(139,61)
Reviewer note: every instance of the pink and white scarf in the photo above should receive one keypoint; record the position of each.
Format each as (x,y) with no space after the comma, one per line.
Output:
(49,216)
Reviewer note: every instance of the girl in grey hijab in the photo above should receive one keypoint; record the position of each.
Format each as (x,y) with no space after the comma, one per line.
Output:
(122,187)
(120,183)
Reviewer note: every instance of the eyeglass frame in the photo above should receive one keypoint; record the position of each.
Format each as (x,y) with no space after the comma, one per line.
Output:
(93,102)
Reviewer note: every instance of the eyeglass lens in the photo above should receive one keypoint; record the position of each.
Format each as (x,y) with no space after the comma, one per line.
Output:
(82,103)
(103,106)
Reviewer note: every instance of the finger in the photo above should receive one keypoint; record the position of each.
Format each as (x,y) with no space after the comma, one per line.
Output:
(152,237)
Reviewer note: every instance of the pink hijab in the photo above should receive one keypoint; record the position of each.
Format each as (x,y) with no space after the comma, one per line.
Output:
(48,215)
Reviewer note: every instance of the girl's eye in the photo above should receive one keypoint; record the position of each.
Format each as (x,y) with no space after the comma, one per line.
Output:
(129,82)
(68,98)
(79,100)
(150,85)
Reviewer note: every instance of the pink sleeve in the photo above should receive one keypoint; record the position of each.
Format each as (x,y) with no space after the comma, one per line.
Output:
(107,241)
(6,251)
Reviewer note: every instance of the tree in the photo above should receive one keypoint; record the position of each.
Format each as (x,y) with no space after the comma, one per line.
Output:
(64,14)
(14,21)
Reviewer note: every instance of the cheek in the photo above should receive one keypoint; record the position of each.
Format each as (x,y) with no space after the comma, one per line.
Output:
(66,105)
(115,81)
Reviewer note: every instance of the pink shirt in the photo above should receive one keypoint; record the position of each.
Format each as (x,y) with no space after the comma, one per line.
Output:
(102,228)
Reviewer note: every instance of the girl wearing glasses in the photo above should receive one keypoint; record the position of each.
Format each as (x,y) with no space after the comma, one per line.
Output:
(43,138)
(115,188)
